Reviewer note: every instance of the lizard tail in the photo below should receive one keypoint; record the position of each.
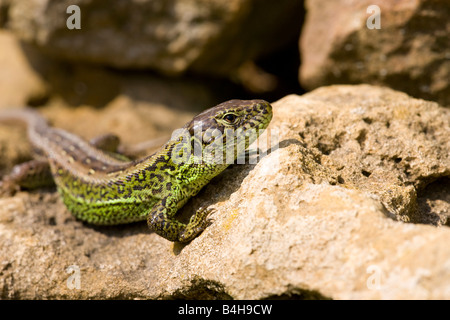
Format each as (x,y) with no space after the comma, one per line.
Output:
(26,116)
(36,125)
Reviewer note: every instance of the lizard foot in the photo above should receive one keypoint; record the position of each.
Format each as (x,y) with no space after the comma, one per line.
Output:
(198,222)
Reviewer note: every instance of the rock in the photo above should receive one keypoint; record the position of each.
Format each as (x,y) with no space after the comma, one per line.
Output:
(410,52)
(321,216)
(20,84)
(168,36)
(376,140)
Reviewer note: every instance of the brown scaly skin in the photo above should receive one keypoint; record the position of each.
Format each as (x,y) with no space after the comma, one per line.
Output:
(103,189)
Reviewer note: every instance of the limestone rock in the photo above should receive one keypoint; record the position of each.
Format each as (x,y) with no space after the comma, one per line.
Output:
(20,84)
(168,36)
(376,140)
(410,52)
(312,219)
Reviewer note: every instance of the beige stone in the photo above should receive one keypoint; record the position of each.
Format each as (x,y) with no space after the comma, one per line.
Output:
(211,37)
(410,52)
(19,82)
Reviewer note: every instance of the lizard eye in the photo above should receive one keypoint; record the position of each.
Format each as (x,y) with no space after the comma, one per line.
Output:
(230,118)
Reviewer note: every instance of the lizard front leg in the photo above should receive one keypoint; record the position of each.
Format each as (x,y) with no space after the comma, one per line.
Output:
(161,219)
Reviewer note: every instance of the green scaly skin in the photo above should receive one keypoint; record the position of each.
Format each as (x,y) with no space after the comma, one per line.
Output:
(106,190)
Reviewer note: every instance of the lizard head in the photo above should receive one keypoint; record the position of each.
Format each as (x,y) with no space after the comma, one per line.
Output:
(229,127)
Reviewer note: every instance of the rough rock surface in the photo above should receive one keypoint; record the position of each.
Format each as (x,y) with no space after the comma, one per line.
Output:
(315,218)
(410,53)
(169,36)
(386,144)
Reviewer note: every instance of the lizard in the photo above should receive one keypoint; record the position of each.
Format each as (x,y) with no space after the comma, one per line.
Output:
(103,189)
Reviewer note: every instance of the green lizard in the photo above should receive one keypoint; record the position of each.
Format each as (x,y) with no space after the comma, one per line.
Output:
(104,189)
